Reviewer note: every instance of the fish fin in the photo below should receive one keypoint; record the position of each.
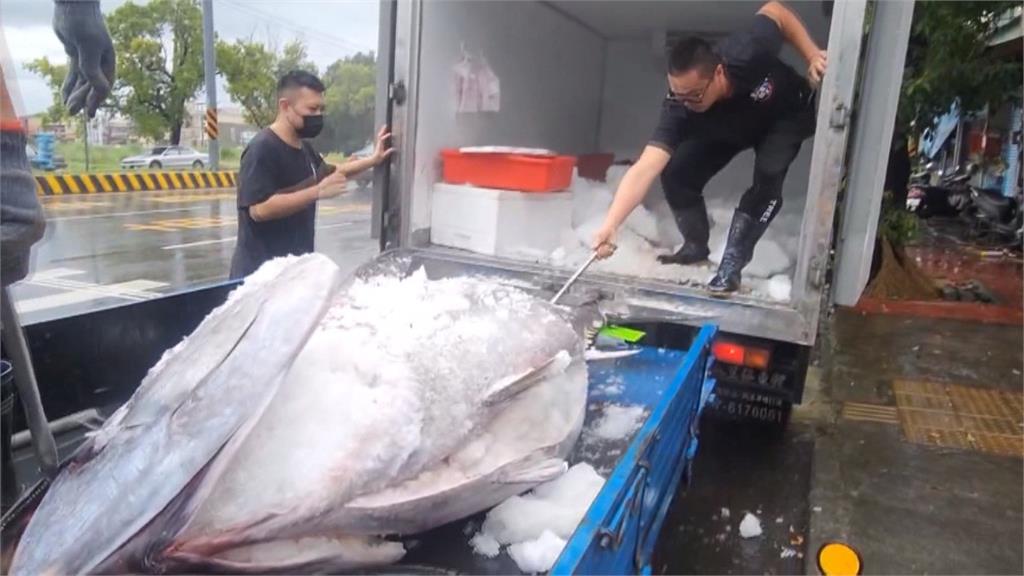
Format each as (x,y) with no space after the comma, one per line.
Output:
(532,472)
(510,386)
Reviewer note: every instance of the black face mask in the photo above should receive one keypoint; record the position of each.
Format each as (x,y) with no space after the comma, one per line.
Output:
(311,126)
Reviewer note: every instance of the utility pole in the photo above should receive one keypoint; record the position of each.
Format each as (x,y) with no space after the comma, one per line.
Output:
(85,130)
(210,68)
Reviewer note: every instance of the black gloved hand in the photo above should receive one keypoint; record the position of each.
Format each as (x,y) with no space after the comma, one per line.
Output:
(91,64)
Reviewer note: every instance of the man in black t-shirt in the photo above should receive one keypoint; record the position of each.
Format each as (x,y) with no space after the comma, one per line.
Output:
(724,99)
(282,177)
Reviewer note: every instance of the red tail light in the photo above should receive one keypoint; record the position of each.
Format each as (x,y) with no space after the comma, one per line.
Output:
(733,353)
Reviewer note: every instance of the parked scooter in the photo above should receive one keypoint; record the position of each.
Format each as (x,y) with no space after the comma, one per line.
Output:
(949,198)
(996,218)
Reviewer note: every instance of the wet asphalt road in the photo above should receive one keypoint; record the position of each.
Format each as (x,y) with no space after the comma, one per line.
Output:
(106,249)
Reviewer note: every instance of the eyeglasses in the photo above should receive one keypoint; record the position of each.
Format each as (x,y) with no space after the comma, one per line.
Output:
(693,97)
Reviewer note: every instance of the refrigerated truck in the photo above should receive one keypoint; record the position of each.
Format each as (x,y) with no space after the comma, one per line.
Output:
(586,76)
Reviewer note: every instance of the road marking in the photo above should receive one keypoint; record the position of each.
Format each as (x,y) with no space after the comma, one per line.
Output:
(54,273)
(176,224)
(60,205)
(183,198)
(77,292)
(232,239)
(200,243)
(137,213)
(137,290)
(332,209)
(120,290)
(338,225)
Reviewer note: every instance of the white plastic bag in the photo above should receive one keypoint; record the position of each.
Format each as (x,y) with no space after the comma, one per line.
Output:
(466,87)
(489,86)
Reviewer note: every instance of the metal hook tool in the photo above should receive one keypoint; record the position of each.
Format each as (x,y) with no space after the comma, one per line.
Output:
(575,276)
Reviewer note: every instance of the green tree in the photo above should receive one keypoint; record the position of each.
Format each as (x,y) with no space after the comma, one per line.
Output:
(294,57)
(251,71)
(54,75)
(948,58)
(159,63)
(351,84)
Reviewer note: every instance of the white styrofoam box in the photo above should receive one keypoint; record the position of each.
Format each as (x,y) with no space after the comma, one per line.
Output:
(507,223)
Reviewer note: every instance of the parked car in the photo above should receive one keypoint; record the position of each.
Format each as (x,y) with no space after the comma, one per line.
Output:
(167,157)
(57,161)
(365,178)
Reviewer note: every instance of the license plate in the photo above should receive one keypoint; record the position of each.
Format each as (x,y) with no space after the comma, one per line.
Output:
(747,405)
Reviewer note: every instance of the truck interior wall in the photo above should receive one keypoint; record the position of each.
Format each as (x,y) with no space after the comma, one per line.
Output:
(550,68)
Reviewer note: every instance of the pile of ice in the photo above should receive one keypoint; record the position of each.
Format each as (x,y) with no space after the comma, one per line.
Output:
(534,527)
(651,231)
(617,421)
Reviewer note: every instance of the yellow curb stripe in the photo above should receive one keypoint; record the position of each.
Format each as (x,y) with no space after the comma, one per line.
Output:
(162,180)
(136,185)
(69,181)
(174,180)
(104,182)
(54,185)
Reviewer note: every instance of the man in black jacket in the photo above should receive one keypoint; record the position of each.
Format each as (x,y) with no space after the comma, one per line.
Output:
(282,177)
(724,99)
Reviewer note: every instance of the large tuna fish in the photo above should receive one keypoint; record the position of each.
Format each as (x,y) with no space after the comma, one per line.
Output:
(413,403)
(196,398)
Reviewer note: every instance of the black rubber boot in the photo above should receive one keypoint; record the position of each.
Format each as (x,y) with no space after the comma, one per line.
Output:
(693,225)
(744,233)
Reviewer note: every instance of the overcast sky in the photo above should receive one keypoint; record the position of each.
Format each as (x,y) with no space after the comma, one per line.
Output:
(330,29)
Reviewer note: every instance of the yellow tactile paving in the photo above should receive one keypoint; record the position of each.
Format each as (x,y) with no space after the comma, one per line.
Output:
(870,413)
(964,417)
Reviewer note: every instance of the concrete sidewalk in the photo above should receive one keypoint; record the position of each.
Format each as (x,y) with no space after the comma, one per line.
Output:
(915,461)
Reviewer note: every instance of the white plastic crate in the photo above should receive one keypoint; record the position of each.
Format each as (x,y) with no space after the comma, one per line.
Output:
(522,225)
